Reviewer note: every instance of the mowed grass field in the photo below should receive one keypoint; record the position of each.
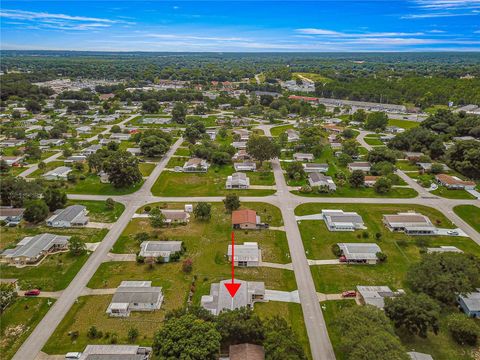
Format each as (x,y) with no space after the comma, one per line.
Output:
(401,249)
(469,213)
(206,244)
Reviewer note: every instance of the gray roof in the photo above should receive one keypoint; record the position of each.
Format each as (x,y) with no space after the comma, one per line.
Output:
(159,248)
(130,292)
(419,356)
(315,166)
(472,300)
(114,352)
(31,247)
(375,295)
(61,170)
(249,251)
(360,251)
(336,216)
(319,177)
(68,214)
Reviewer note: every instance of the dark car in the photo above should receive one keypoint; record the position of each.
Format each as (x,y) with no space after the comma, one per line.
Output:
(33,292)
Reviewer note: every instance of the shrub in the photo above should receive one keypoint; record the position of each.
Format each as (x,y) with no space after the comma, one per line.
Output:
(336,250)
(382,257)
(462,329)
(187,266)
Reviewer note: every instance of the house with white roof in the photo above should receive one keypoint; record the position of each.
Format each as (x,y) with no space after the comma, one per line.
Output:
(411,223)
(292,135)
(196,165)
(313,167)
(245,255)
(375,295)
(153,250)
(245,166)
(74,215)
(338,220)
(237,180)
(59,173)
(307,157)
(135,296)
(359,253)
(362,166)
(111,352)
(318,179)
(470,303)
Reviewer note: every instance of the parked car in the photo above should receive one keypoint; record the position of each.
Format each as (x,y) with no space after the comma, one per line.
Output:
(349,294)
(73,355)
(452,232)
(342,259)
(33,292)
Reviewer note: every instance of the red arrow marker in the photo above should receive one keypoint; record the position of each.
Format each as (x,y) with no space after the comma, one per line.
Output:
(233,287)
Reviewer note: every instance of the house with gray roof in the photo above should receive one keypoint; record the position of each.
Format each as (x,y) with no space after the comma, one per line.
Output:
(375,295)
(470,303)
(74,215)
(196,165)
(33,248)
(219,298)
(338,220)
(245,166)
(135,296)
(419,356)
(247,254)
(152,250)
(116,352)
(237,180)
(303,157)
(318,179)
(359,253)
(411,223)
(59,173)
(92,149)
(313,167)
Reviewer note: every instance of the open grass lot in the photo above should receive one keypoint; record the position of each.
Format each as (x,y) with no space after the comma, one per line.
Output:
(211,183)
(373,140)
(146,168)
(406,165)
(469,213)
(10,236)
(183,151)
(18,321)
(452,194)
(364,192)
(406,124)
(400,248)
(98,212)
(208,240)
(292,313)
(92,186)
(53,274)
(278,130)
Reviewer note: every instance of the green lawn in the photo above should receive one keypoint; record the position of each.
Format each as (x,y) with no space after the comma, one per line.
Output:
(183,152)
(406,165)
(98,212)
(406,124)
(18,321)
(211,183)
(278,130)
(452,194)
(146,168)
(54,273)
(373,141)
(347,191)
(318,240)
(469,213)
(92,186)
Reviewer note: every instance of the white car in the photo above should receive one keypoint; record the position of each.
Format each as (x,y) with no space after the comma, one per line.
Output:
(73,355)
(452,232)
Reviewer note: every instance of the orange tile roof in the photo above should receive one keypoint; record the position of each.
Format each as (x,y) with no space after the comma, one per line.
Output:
(244,216)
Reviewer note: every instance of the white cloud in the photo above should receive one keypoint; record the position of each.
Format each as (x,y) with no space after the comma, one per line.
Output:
(448,4)
(436,15)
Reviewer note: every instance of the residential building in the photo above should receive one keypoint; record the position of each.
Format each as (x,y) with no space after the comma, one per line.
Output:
(176,216)
(359,253)
(12,160)
(443,249)
(84,130)
(246,352)
(11,215)
(410,223)
(303,157)
(74,215)
(75,159)
(59,173)
(358,165)
(292,135)
(419,356)
(242,133)
(453,182)
(116,352)
(394,129)
(153,250)
(241,155)
(212,133)
(135,296)
(246,219)
(245,166)
(470,303)
(375,295)
(134,151)
(237,181)
(333,128)
(313,167)
(370,180)
(196,165)
(155,121)
(332,121)
(33,248)
(120,136)
(246,255)
(338,220)
(239,145)
(92,149)
(317,179)
(413,156)
(12,142)
(426,167)
(219,299)
(51,142)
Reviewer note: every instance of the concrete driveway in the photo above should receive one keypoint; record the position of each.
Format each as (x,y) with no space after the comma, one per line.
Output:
(282,296)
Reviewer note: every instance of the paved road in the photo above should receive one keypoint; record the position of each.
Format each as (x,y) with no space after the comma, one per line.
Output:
(54,157)
(40,335)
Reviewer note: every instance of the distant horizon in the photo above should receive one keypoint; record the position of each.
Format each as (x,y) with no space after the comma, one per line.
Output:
(242,26)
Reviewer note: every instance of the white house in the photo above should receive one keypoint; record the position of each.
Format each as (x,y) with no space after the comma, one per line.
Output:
(59,173)
(410,223)
(338,220)
(317,179)
(313,167)
(74,215)
(247,254)
(292,135)
(303,157)
(237,181)
(135,296)
(196,165)
(363,166)
(359,253)
(245,166)
(152,250)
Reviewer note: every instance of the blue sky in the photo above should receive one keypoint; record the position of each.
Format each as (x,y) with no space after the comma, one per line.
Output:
(346,25)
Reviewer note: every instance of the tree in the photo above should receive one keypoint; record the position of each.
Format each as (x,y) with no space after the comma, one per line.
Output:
(141,237)
(262,148)
(55,198)
(93,333)
(377,155)
(122,169)
(8,294)
(464,156)
(240,326)
(150,106)
(76,246)
(436,168)
(157,219)
(463,330)
(33,152)
(382,185)
(115,129)
(154,143)
(132,334)
(203,211)
(417,314)
(281,342)
(36,211)
(357,178)
(16,191)
(187,337)
(376,121)
(4,167)
(110,204)
(344,159)
(444,276)
(349,133)
(360,115)
(295,171)
(179,112)
(350,147)
(33,106)
(368,334)
(231,202)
